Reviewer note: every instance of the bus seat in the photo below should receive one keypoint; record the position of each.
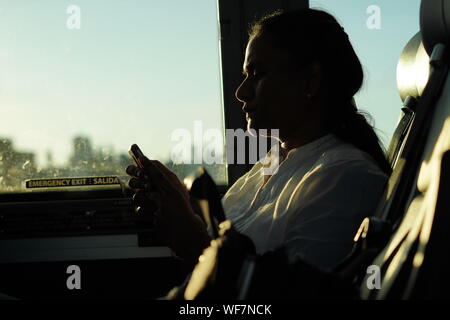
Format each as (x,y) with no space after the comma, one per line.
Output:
(413,204)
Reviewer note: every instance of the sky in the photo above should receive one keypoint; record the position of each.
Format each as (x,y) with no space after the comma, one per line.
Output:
(137,70)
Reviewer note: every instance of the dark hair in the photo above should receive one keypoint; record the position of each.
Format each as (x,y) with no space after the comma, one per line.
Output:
(314,35)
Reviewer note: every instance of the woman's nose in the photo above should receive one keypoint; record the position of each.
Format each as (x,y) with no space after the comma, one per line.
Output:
(244,92)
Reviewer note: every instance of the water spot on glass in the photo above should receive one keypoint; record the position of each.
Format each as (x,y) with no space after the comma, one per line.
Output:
(25,165)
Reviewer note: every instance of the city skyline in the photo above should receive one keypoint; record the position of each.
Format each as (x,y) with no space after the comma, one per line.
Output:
(86,160)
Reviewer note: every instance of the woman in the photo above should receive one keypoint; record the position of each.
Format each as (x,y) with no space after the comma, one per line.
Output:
(301,74)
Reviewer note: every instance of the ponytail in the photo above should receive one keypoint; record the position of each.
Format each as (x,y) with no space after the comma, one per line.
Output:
(351,126)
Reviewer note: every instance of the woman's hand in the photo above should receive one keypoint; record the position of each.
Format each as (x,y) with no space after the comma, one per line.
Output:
(177,224)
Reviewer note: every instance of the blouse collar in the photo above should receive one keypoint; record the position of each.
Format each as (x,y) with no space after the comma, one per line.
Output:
(277,154)
(313,147)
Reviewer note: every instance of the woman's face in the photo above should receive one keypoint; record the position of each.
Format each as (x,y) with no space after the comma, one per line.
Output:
(274,90)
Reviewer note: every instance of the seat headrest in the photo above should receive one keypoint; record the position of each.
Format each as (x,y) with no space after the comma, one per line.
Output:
(435,23)
(413,69)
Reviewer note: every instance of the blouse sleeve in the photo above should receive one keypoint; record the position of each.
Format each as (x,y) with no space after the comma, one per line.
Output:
(329,208)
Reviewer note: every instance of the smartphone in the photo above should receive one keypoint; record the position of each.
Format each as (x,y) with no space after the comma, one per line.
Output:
(136,153)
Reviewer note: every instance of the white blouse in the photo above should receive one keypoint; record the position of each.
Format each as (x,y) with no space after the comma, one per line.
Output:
(313,205)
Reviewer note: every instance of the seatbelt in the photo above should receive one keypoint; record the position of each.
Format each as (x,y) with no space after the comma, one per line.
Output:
(408,112)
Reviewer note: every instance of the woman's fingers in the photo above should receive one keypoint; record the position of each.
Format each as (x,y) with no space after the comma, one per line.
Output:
(142,178)
(153,171)
(134,171)
(138,184)
(156,175)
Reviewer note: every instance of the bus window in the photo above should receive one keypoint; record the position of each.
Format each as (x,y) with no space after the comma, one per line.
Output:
(378,31)
(81,81)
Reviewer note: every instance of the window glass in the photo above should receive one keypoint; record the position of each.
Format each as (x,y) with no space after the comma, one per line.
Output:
(80,81)
(378,30)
